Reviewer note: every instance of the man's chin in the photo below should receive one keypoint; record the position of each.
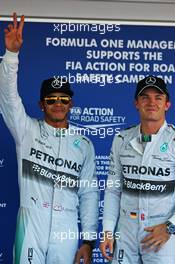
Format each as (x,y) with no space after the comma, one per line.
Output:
(152,119)
(56,120)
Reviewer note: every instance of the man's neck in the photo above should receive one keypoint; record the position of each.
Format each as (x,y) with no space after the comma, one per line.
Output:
(60,124)
(149,128)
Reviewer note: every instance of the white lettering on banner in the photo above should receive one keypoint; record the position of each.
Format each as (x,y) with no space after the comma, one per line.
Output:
(163,67)
(122,50)
(104,115)
(98,111)
(135,78)
(71,42)
(76,110)
(105,66)
(102,167)
(139,67)
(97,260)
(3,205)
(152,56)
(110,43)
(103,121)
(1,163)
(112,119)
(109,54)
(90,118)
(150,44)
(73,65)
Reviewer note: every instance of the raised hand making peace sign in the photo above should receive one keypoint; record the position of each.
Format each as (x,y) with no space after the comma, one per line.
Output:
(13,34)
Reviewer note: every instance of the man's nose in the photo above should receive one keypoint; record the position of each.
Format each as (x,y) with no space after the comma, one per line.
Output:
(58,102)
(152,100)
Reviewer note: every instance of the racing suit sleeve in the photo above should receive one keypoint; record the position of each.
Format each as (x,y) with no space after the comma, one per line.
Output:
(89,196)
(11,105)
(172,219)
(113,188)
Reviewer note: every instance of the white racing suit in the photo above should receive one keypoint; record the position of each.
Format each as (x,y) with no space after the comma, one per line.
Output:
(56,178)
(140,193)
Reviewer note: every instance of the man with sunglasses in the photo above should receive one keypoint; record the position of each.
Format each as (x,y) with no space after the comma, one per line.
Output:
(56,169)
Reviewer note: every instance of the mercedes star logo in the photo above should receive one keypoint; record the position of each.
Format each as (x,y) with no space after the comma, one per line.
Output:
(150,80)
(56,83)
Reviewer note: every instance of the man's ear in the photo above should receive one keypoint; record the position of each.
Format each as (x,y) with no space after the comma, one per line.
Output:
(41,105)
(168,104)
(136,104)
(71,103)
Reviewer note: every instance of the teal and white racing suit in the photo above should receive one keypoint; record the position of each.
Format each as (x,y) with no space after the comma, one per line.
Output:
(140,193)
(57,178)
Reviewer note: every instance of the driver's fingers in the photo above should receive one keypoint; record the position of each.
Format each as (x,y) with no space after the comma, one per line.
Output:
(21,25)
(10,27)
(6,31)
(15,20)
